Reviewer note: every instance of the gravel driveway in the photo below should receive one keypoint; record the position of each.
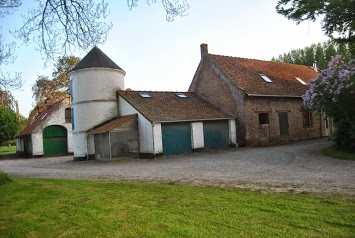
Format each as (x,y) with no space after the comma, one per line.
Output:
(297,167)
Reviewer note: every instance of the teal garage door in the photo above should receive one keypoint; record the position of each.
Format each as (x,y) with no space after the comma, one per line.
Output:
(55,141)
(176,138)
(216,134)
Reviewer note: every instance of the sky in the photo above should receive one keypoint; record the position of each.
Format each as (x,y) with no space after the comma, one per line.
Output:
(163,56)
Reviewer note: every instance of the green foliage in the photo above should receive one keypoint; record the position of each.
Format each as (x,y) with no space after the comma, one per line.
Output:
(58,87)
(338,22)
(69,208)
(339,153)
(319,53)
(333,92)
(8,124)
(4,178)
(8,142)
(7,150)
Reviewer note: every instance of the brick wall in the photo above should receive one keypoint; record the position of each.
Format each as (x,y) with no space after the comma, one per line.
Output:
(213,85)
(259,134)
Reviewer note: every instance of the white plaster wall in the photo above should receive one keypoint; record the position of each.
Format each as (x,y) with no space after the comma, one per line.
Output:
(37,143)
(57,117)
(197,135)
(232,132)
(157,139)
(145,128)
(96,84)
(80,144)
(89,114)
(93,101)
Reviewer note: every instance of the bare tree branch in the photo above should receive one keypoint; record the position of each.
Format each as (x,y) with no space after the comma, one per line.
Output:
(60,26)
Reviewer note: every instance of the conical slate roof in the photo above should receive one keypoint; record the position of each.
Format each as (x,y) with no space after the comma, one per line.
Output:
(96,59)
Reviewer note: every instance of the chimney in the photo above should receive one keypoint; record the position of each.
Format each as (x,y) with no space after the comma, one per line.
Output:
(315,66)
(48,102)
(204,49)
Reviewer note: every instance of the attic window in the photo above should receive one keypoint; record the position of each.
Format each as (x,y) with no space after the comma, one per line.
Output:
(181,95)
(266,78)
(301,81)
(144,95)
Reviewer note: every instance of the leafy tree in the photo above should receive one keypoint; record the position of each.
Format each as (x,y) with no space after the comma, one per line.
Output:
(338,17)
(46,88)
(8,124)
(333,92)
(54,89)
(319,53)
(60,74)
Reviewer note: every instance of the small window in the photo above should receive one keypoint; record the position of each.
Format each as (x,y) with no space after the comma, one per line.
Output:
(67,114)
(144,95)
(263,118)
(181,95)
(301,81)
(307,118)
(266,78)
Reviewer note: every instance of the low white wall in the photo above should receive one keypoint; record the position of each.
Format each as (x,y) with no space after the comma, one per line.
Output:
(197,135)
(232,132)
(157,139)
(145,129)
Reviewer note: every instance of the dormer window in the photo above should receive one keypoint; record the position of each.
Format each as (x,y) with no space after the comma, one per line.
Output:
(181,95)
(266,78)
(301,81)
(144,95)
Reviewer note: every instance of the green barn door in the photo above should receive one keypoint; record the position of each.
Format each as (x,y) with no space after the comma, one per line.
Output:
(216,135)
(176,138)
(55,141)
(283,120)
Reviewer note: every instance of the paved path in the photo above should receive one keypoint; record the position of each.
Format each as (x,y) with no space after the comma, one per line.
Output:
(298,167)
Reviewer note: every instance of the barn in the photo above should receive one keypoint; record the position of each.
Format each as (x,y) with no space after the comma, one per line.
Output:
(48,134)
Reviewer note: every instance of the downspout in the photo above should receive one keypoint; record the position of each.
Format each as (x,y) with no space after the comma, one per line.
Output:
(87,146)
(153,139)
(321,123)
(109,143)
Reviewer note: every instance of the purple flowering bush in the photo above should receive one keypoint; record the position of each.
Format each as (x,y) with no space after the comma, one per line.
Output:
(333,92)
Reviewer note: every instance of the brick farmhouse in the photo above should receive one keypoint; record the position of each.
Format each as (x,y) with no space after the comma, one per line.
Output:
(264,96)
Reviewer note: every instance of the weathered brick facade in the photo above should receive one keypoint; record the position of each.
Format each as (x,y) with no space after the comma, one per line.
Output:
(261,118)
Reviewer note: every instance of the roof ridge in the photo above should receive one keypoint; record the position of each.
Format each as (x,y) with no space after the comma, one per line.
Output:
(147,91)
(269,61)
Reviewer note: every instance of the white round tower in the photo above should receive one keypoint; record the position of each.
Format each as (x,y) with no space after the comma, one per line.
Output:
(93,85)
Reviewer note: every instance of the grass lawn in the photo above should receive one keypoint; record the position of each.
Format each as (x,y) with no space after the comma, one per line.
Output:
(337,153)
(5,150)
(64,208)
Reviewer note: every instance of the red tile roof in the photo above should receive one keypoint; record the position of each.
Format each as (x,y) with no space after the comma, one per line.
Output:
(39,118)
(166,106)
(245,75)
(113,123)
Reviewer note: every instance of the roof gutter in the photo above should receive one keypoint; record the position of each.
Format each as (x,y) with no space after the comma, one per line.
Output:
(281,96)
(194,120)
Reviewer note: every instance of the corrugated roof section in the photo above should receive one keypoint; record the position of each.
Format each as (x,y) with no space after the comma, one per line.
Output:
(166,106)
(245,74)
(96,59)
(113,124)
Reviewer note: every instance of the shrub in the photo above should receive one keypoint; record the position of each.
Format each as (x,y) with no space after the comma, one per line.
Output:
(4,178)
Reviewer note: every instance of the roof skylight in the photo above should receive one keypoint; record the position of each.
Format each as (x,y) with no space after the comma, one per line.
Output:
(181,95)
(266,78)
(144,95)
(301,81)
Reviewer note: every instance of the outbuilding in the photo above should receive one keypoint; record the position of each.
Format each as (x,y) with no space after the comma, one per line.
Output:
(49,133)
